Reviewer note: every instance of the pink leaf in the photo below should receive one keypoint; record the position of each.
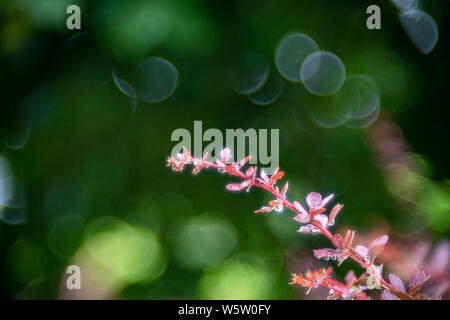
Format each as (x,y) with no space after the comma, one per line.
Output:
(324,202)
(338,241)
(244,184)
(326,253)
(234,187)
(361,250)
(249,172)
(323,219)
(285,189)
(302,218)
(313,200)
(397,283)
(264,176)
(377,246)
(316,211)
(334,213)
(299,207)
(264,209)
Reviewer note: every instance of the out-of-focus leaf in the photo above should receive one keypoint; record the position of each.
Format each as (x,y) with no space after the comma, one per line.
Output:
(397,283)
(416,288)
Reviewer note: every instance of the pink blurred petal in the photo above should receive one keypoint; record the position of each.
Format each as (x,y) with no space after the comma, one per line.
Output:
(440,257)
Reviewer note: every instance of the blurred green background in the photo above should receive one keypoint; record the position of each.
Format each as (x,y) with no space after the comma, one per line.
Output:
(87,161)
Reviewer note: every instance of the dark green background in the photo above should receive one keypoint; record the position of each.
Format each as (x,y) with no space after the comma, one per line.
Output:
(90,156)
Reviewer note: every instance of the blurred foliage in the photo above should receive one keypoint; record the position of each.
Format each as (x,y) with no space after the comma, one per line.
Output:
(88,160)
